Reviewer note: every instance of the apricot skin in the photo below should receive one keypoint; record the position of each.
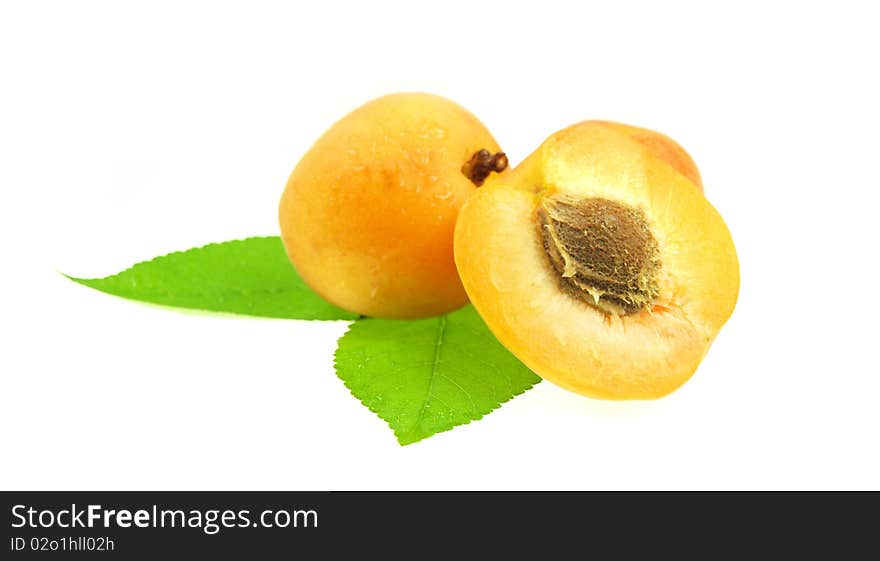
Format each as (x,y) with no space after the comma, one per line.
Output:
(368,214)
(661,147)
(513,285)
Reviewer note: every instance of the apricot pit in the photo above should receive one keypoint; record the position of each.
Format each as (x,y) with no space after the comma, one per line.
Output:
(603,251)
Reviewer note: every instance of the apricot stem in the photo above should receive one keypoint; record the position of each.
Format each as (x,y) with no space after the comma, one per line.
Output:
(481,164)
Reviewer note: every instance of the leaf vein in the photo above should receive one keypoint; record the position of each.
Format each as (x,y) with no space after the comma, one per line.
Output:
(438,344)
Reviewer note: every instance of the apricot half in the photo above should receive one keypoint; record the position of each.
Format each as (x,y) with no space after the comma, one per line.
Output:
(599,263)
(368,214)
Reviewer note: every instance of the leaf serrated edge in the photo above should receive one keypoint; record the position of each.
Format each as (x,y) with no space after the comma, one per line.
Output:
(402,438)
(80,280)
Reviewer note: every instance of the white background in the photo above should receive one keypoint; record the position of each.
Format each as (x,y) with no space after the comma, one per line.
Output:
(128,130)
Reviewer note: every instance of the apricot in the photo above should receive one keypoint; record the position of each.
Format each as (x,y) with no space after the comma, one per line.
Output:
(368,214)
(599,263)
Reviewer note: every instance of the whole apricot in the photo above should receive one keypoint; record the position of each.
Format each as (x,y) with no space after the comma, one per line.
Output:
(368,214)
(599,263)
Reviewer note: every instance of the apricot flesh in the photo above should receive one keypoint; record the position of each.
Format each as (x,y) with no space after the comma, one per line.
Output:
(584,341)
(368,214)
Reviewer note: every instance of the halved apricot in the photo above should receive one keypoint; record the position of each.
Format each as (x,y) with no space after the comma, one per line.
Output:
(599,263)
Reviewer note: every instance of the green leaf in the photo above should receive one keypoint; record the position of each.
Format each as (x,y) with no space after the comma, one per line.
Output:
(251,276)
(427,376)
